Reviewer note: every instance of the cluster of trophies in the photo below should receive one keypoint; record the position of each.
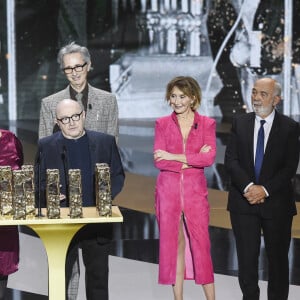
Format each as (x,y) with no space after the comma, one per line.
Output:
(17,199)
(17,192)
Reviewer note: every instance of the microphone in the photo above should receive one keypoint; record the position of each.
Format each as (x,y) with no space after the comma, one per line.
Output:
(90,106)
(195,125)
(64,159)
(38,164)
(38,158)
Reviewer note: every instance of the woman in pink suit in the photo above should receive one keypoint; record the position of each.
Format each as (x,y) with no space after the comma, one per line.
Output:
(10,155)
(184,144)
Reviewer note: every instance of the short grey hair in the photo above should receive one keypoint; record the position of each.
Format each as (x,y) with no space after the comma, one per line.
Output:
(277,88)
(73,48)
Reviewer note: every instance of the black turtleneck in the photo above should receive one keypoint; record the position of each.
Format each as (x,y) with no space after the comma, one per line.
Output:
(79,158)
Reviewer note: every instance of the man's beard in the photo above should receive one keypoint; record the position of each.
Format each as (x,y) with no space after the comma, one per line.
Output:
(262,111)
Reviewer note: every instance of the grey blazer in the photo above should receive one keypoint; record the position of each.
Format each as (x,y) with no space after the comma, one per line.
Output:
(102,112)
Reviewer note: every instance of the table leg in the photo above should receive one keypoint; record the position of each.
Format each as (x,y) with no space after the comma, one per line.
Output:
(56,239)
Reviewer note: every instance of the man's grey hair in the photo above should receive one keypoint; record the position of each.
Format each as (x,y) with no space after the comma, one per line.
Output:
(73,48)
(277,88)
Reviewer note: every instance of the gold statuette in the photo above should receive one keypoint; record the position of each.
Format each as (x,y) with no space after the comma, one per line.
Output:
(29,190)
(52,194)
(103,189)
(75,193)
(6,192)
(19,202)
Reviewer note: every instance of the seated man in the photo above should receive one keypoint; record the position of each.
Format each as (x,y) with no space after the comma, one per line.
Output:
(76,148)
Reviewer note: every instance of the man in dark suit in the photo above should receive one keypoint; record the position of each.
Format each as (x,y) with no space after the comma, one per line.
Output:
(76,148)
(261,195)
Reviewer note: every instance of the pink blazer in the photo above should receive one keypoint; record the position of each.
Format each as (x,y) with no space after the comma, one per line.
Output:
(184,191)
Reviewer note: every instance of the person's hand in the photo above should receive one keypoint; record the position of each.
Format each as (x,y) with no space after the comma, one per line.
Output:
(205,148)
(255,194)
(161,154)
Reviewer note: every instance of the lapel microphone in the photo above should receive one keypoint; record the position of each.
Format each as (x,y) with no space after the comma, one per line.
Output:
(90,106)
(195,125)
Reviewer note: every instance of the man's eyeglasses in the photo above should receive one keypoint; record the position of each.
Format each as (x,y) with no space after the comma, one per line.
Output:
(66,120)
(78,68)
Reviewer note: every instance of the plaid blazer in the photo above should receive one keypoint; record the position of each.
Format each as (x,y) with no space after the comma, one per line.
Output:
(102,112)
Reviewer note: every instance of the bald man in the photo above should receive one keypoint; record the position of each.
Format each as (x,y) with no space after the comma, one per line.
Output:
(65,150)
(262,158)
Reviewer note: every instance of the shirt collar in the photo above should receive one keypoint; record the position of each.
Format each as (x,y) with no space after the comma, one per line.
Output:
(269,119)
(84,92)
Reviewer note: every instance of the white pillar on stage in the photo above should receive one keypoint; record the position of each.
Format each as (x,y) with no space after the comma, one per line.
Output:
(11,60)
(287,63)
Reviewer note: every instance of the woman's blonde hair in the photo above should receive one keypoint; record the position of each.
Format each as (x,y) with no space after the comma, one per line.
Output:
(189,86)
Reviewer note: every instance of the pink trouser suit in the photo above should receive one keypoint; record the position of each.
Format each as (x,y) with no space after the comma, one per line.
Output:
(183,192)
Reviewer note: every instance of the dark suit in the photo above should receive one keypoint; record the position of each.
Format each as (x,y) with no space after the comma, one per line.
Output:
(274,216)
(94,239)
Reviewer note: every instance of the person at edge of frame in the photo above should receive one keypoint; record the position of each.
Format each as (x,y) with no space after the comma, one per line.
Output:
(262,158)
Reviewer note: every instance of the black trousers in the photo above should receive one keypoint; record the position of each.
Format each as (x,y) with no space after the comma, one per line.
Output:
(247,229)
(95,242)
(3,284)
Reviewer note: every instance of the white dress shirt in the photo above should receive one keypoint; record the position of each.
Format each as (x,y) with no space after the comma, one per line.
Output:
(267,128)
